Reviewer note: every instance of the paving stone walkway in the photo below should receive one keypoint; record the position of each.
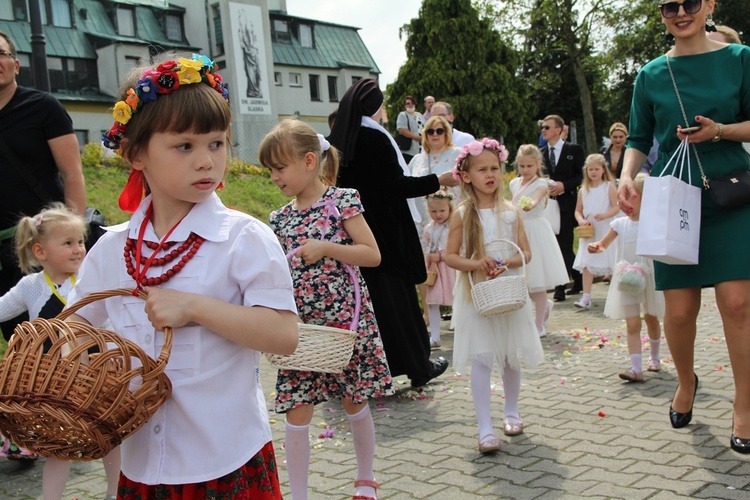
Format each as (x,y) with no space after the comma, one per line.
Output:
(588,434)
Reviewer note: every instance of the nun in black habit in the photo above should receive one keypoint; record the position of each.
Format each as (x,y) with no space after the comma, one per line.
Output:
(371,163)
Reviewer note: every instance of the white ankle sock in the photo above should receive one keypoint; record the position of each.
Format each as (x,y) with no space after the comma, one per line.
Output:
(363,434)
(654,345)
(434,315)
(636,362)
(512,390)
(297,441)
(480,393)
(586,299)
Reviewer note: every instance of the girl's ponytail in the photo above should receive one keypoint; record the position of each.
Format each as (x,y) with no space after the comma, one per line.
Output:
(329,170)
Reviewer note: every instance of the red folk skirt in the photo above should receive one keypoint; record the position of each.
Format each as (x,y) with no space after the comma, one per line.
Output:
(258,479)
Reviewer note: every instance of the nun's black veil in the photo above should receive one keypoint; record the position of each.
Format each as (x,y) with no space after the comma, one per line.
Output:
(364,98)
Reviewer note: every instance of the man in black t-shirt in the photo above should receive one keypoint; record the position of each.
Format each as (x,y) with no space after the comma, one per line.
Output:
(38,137)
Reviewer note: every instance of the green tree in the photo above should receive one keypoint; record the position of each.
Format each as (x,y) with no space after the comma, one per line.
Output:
(567,31)
(735,14)
(455,54)
(638,38)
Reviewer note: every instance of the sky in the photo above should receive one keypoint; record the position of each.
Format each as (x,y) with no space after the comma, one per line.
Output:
(380,21)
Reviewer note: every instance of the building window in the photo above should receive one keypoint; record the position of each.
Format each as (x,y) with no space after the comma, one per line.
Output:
(295,80)
(277,78)
(333,91)
(25,76)
(125,21)
(314,88)
(355,79)
(59,12)
(6,11)
(305,35)
(218,33)
(83,138)
(173,27)
(131,62)
(67,76)
(280,31)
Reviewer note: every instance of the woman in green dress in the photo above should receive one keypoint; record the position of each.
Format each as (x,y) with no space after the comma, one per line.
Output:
(713,79)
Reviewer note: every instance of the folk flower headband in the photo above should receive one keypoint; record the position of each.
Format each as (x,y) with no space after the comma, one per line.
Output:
(440,195)
(167,78)
(475,148)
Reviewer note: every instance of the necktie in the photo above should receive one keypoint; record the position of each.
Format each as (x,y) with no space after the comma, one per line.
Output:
(552,160)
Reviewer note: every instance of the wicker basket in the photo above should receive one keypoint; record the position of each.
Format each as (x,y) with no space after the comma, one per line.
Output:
(61,405)
(320,349)
(584,232)
(500,295)
(432,274)
(324,349)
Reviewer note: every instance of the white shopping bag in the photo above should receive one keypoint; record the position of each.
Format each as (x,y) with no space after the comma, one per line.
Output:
(552,214)
(670,219)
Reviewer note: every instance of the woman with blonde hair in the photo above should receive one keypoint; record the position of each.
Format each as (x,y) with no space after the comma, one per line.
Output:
(614,153)
(713,85)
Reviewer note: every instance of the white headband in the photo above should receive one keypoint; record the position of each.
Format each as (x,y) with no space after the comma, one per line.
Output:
(324,144)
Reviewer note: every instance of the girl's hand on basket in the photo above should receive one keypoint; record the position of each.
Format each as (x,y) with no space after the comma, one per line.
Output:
(311,251)
(491,267)
(168,308)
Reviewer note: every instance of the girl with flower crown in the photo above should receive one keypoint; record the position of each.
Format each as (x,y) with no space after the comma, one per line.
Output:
(547,270)
(326,238)
(440,293)
(217,277)
(480,230)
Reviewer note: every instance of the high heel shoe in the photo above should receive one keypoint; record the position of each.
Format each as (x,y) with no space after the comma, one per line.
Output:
(739,444)
(678,419)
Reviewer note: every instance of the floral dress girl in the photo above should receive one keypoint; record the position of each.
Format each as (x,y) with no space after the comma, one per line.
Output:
(324,296)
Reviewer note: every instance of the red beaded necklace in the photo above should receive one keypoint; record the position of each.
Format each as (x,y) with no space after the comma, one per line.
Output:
(133,249)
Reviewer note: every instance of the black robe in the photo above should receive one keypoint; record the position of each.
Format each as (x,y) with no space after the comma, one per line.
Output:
(374,171)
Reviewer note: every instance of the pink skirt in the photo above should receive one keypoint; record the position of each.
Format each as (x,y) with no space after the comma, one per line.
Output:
(442,292)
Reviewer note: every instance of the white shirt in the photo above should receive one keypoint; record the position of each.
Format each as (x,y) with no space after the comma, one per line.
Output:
(461,139)
(216,418)
(558,150)
(30,294)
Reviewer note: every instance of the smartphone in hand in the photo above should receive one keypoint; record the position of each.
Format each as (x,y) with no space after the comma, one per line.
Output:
(691,130)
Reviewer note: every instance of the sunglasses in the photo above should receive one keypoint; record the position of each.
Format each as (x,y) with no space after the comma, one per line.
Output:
(546,127)
(3,53)
(433,131)
(670,9)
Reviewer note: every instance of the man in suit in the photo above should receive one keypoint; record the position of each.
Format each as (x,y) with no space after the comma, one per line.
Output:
(564,163)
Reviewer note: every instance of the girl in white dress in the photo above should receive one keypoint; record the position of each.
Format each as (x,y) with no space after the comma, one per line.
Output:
(440,293)
(547,269)
(476,245)
(597,205)
(624,302)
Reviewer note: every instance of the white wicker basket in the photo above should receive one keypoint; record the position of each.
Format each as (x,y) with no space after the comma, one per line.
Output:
(500,295)
(320,349)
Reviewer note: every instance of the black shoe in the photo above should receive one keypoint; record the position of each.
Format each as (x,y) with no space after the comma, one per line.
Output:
(437,368)
(574,291)
(739,445)
(559,295)
(680,420)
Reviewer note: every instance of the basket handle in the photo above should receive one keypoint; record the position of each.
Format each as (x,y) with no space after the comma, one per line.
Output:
(119,292)
(523,260)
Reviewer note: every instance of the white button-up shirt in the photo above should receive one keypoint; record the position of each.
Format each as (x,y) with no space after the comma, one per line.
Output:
(216,418)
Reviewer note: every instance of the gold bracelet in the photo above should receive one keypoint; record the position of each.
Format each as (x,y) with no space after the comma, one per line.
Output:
(719,133)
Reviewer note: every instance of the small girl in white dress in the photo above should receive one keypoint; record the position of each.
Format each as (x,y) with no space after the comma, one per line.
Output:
(597,205)
(547,269)
(624,302)
(476,244)
(439,208)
